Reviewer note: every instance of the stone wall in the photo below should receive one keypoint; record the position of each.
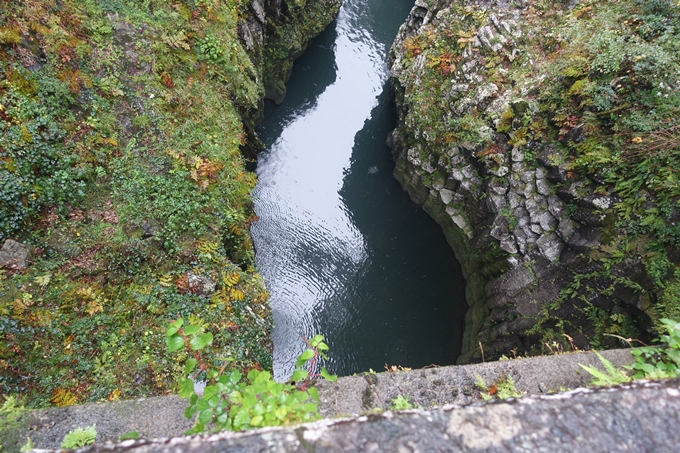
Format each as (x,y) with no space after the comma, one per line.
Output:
(369,393)
(637,417)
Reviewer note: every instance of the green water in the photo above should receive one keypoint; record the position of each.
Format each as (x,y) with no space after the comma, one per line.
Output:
(344,252)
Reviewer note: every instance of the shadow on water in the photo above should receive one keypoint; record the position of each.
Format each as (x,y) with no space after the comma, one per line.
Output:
(343,250)
(408,304)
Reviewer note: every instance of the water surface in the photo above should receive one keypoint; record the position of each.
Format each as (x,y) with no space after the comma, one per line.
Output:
(344,252)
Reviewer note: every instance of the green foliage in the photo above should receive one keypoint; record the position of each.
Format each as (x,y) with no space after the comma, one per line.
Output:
(128,436)
(230,402)
(400,403)
(123,212)
(663,362)
(210,48)
(79,437)
(28,446)
(36,168)
(650,362)
(611,376)
(502,388)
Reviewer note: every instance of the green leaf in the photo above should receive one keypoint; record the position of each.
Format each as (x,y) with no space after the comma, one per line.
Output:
(234,377)
(175,343)
(205,416)
(171,330)
(256,421)
(201,341)
(316,340)
(326,375)
(299,375)
(128,436)
(186,388)
(302,358)
(79,437)
(190,411)
(314,393)
(192,330)
(190,365)
(28,446)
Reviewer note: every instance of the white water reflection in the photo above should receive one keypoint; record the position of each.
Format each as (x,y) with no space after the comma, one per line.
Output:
(310,245)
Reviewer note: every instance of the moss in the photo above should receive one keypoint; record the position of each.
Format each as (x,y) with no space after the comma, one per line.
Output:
(124,139)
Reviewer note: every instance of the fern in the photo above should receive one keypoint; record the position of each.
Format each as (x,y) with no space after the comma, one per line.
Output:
(79,437)
(63,397)
(613,376)
(28,446)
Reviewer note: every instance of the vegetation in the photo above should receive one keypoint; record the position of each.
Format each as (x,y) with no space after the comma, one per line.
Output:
(120,165)
(79,437)
(502,388)
(400,403)
(650,362)
(229,402)
(608,68)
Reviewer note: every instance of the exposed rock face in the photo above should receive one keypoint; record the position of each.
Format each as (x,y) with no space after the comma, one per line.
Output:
(14,255)
(292,25)
(639,417)
(468,147)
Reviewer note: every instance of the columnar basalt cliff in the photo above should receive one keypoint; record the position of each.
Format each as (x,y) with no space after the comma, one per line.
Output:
(543,137)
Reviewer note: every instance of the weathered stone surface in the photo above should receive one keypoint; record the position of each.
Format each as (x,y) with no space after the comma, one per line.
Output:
(200,284)
(350,396)
(637,417)
(15,255)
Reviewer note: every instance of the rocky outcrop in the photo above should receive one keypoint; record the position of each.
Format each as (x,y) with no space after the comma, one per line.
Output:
(508,171)
(290,25)
(638,417)
(15,255)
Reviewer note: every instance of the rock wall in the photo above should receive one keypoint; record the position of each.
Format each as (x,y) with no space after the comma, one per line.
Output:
(509,175)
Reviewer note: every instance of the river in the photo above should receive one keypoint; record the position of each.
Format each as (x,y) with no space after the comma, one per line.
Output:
(343,250)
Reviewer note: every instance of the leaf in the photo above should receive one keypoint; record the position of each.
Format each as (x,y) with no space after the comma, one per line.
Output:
(201,341)
(299,375)
(326,375)
(190,411)
(128,436)
(314,393)
(175,343)
(302,358)
(79,437)
(205,416)
(170,331)
(190,365)
(43,280)
(192,330)
(186,388)
(28,446)
(256,421)
(174,327)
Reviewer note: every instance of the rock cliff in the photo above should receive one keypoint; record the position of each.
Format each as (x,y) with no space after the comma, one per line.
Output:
(541,136)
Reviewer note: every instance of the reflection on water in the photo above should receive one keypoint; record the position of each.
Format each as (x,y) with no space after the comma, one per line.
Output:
(343,251)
